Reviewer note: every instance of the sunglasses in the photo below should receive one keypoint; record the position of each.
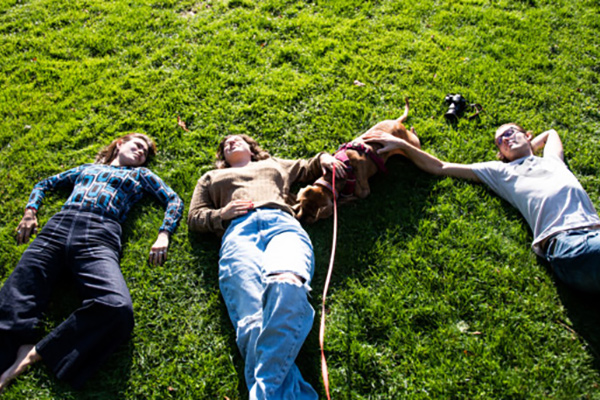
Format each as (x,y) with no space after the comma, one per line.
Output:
(507,134)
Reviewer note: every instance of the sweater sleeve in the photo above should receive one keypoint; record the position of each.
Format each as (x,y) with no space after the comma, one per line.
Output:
(303,170)
(204,215)
(152,183)
(59,180)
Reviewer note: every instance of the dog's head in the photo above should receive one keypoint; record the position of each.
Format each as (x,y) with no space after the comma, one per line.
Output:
(314,203)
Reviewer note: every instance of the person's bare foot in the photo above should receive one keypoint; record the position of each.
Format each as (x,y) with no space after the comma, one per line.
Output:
(26,355)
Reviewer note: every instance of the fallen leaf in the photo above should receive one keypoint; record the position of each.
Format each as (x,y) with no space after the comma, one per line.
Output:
(181,124)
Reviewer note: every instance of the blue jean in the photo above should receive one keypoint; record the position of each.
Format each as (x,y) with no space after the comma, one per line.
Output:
(272,318)
(85,246)
(575,258)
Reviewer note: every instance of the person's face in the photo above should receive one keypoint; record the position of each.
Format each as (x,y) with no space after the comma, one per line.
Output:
(236,148)
(512,142)
(132,153)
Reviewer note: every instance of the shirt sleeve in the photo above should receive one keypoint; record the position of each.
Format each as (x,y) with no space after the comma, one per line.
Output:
(59,180)
(302,170)
(494,175)
(167,196)
(204,215)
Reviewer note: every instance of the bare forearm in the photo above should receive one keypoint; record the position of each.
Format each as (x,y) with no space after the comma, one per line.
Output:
(540,140)
(423,160)
(553,144)
(435,166)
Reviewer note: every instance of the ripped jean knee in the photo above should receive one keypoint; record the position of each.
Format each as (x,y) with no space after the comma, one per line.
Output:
(285,277)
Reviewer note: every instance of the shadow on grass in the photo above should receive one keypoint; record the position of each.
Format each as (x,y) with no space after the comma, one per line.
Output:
(395,205)
(583,311)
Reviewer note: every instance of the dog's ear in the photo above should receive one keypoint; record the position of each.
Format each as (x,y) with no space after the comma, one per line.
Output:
(325,211)
(310,212)
(305,213)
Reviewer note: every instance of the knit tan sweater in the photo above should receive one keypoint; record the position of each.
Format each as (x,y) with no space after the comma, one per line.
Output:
(266,183)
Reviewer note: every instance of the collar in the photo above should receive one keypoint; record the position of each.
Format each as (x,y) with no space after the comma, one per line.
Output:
(323,183)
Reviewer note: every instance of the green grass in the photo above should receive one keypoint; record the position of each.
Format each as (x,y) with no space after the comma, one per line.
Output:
(435,293)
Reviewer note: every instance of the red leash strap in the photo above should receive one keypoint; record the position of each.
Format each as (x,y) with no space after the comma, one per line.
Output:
(324,370)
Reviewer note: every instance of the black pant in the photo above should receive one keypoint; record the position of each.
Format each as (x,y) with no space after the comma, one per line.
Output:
(87,246)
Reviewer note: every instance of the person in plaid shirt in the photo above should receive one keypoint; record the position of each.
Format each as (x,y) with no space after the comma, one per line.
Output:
(84,241)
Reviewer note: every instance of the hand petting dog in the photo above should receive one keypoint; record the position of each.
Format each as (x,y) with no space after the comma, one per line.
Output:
(355,162)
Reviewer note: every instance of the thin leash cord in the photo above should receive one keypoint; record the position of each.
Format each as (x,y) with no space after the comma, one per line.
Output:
(324,370)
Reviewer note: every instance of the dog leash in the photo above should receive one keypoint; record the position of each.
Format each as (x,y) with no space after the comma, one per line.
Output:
(324,371)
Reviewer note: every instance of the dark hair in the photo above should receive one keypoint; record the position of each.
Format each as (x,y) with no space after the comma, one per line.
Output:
(110,152)
(499,154)
(257,152)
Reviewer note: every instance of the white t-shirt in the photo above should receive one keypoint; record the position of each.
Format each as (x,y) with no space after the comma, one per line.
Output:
(544,190)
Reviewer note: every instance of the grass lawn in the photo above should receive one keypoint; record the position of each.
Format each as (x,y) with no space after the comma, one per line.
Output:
(435,294)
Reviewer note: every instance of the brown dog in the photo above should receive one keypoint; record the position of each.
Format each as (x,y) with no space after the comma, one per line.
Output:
(362,162)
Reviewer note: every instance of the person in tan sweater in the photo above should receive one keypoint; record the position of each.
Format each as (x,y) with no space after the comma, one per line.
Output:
(266,259)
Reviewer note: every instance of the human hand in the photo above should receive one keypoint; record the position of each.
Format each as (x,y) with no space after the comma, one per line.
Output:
(27,226)
(236,208)
(328,162)
(387,140)
(158,252)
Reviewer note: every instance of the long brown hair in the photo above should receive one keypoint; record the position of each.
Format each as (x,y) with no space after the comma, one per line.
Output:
(110,152)
(257,152)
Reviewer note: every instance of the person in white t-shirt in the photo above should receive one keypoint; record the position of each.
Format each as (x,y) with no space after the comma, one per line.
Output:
(564,222)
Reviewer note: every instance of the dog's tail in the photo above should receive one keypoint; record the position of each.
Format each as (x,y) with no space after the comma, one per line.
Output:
(405,115)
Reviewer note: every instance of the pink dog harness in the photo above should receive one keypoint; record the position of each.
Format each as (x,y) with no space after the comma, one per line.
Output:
(341,155)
